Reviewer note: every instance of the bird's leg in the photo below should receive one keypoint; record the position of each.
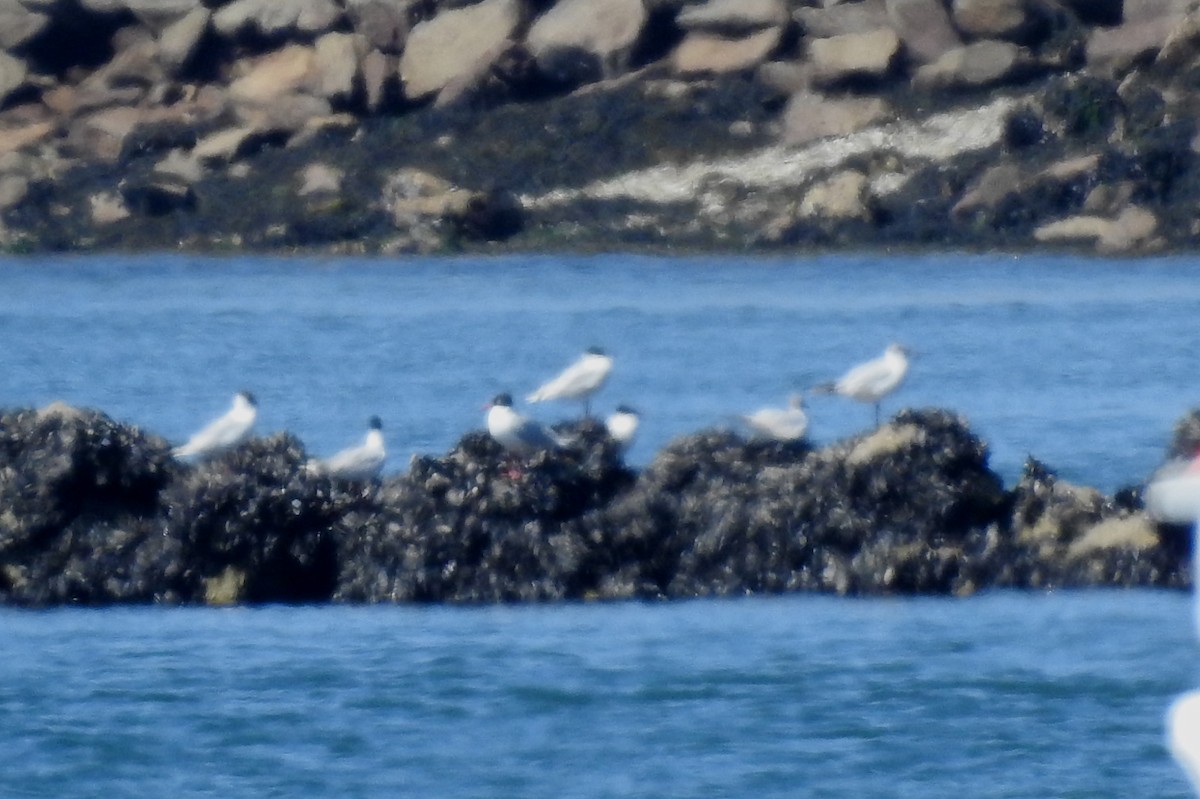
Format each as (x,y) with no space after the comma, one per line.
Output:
(876,414)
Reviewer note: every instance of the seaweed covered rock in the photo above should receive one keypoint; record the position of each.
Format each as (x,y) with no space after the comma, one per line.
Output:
(256,525)
(477,525)
(78,492)
(904,509)
(1070,535)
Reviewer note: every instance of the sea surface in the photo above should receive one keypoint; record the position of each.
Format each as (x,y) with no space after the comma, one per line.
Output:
(1083,363)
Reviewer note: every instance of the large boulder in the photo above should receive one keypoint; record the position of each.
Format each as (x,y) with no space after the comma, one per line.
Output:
(18,25)
(854,57)
(733,18)
(706,53)
(925,28)
(456,43)
(579,40)
(277,19)
(810,116)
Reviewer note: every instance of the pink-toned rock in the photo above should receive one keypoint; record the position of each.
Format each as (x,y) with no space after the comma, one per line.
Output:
(924,27)
(277,18)
(733,18)
(384,23)
(809,117)
(106,208)
(337,67)
(1116,50)
(18,25)
(281,72)
(18,138)
(178,42)
(706,53)
(606,30)
(454,43)
(978,64)
(13,75)
(841,197)
(854,56)
(836,20)
(991,19)
(381,80)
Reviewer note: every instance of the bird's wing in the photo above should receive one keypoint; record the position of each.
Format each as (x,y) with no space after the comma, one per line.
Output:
(535,435)
(581,376)
(220,432)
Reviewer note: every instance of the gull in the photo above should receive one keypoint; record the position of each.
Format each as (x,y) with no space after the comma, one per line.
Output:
(580,380)
(780,424)
(517,434)
(1173,495)
(622,426)
(873,380)
(224,433)
(362,462)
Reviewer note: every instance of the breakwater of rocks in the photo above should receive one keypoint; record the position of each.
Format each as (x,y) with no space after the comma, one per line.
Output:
(401,126)
(96,512)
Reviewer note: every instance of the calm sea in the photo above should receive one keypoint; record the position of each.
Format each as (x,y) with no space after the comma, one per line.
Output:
(1083,363)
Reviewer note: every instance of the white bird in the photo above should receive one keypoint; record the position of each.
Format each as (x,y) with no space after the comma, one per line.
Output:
(224,433)
(622,425)
(873,380)
(1173,495)
(514,432)
(779,424)
(362,462)
(580,380)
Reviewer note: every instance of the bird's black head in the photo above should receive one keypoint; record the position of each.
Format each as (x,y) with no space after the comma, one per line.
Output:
(375,423)
(626,409)
(595,351)
(503,400)
(250,399)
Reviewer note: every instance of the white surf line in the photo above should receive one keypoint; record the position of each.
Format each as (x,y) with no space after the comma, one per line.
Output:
(938,137)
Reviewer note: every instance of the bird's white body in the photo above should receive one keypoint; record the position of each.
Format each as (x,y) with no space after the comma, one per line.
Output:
(363,462)
(622,426)
(579,381)
(780,424)
(224,433)
(516,433)
(1173,495)
(875,379)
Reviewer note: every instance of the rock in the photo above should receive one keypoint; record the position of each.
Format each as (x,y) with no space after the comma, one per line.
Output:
(320,178)
(861,17)
(156,196)
(811,116)
(784,78)
(381,81)
(733,18)
(15,139)
(13,75)
(456,43)
(586,38)
(18,25)
(282,72)
(1132,229)
(996,185)
(232,144)
(336,67)
(841,197)
(183,166)
(178,42)
(106,208)
(854,57)
(1117,50)
(158,15)
(992,19)
(277,19)
(420,200)
(385,24)
(13,189)
(973,66)
(498,77)
(924,27)
(704,53)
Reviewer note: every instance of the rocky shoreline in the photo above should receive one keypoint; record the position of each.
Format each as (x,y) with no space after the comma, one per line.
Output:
(96,512)
(400,126)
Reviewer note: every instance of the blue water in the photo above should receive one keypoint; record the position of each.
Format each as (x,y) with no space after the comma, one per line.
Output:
(1086,364)
(1003,695)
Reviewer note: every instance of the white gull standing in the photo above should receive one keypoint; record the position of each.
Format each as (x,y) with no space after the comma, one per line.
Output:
(1173,495)
(622,425)
(779,424)
(517,434)
(224,433)
(578,381)
(363,462)
(873,380)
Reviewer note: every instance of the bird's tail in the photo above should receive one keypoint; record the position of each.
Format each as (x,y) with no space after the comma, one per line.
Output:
(537,396)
